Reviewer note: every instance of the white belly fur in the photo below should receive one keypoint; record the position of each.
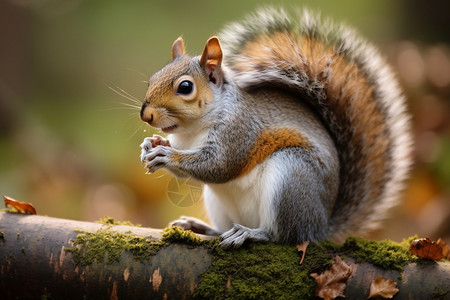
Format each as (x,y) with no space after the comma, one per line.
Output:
(194,138)
(247,200)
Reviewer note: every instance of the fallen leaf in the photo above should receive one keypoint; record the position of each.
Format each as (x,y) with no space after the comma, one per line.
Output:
(332,282)
(302,248)
(445,248)
(383,288)
(18,207)
(425,248)
(228,285)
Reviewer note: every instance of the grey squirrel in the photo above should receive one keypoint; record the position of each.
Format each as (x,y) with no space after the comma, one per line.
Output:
(296,127)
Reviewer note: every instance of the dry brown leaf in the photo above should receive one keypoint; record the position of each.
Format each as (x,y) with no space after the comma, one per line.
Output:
(445,248)
(425,248)
(383,288)
(228,285)
(302,248)
(18,207)
(332,282)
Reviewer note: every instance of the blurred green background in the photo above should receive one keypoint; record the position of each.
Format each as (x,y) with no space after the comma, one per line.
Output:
(69,143)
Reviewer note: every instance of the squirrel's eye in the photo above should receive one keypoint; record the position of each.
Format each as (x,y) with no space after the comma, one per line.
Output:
(185,88)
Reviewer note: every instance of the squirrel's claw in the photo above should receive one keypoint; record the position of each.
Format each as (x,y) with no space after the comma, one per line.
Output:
(236,236)
(149,144)
(156,158)
(154,165)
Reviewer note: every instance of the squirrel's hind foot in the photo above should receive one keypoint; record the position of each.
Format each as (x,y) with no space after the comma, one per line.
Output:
(195,225)
(236,236)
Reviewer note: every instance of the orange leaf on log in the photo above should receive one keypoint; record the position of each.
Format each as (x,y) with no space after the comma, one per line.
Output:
(425,248)
(445,248)
(382,288)
(18,207)
(302,248)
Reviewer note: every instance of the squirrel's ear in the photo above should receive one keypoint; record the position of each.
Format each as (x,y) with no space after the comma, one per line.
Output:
(211,60)
(177,48)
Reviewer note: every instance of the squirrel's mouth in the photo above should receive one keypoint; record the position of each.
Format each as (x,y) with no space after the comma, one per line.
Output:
(169,129)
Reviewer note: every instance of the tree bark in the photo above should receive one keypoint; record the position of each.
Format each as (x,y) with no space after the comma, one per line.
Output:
(34,264)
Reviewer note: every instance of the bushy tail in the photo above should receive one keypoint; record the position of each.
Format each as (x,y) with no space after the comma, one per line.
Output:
(350,87)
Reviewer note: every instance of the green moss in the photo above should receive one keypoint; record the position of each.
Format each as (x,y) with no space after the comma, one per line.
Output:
(385,254)
(173,234)
(273,271)
(106,245)
(439,294)
(46,296)
(110,221)
(264,271)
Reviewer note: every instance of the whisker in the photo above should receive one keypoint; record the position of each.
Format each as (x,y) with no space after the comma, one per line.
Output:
(138,107)
(120,108)
(138,72)
(133,115)
(174,113)
(128,94)
(124,95)
(136,131)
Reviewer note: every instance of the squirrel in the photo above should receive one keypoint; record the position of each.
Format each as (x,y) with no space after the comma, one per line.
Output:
(297,128)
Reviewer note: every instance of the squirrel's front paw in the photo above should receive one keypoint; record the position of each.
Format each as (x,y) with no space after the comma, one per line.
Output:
(156,158)
(151,142)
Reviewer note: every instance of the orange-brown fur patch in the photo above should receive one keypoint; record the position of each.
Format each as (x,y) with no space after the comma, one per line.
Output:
(270,141)
(176,157)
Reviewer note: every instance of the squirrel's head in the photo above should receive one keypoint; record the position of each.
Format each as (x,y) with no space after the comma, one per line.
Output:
(178,94)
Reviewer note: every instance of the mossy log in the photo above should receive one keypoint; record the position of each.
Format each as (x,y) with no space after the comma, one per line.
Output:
(47,258)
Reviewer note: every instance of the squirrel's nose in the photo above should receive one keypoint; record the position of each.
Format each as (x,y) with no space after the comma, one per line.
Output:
(147,114)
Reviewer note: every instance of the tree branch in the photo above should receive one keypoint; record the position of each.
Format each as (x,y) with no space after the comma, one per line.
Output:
(35,263)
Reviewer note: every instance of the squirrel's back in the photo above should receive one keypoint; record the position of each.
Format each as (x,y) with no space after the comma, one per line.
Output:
(352,90)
